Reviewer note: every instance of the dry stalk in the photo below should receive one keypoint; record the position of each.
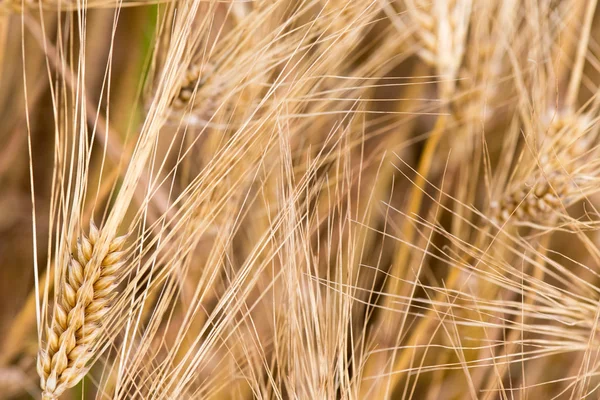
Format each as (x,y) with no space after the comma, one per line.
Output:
(84,298)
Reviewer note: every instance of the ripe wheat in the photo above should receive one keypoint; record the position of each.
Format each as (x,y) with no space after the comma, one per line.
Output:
(83,300)
(558,178)
(311,184)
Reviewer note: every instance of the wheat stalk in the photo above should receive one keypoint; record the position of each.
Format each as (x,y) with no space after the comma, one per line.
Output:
(84,297)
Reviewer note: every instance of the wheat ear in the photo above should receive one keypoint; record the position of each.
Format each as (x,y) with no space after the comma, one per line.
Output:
(492,25)
(191,80)
(559,177)
(84,296)
(442,29)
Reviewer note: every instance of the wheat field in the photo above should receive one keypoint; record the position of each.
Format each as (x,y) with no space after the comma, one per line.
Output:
(299,199)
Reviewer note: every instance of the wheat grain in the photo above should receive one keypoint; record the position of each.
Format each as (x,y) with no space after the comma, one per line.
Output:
(84,298)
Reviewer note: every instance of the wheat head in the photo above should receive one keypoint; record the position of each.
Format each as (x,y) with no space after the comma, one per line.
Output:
(559,174)
(193,79)
(442,29)
(84,297)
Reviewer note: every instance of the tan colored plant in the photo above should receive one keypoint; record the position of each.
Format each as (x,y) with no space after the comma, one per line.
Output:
(84,299)
(328,199)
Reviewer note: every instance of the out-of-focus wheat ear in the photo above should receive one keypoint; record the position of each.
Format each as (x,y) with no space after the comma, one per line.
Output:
(187,86)
(194,78)
(493,25)
(442,28)
(83,299)
(567,138)
(559,177)
(531,203)
(195,98)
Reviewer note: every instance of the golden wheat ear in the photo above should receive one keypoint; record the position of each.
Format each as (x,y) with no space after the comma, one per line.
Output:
(442,27)
(84,297)
(561,176)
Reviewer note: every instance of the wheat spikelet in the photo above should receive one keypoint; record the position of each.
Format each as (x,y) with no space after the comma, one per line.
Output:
(197,94)
(442,28)
(533,203)
(567,137)
(83,300)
